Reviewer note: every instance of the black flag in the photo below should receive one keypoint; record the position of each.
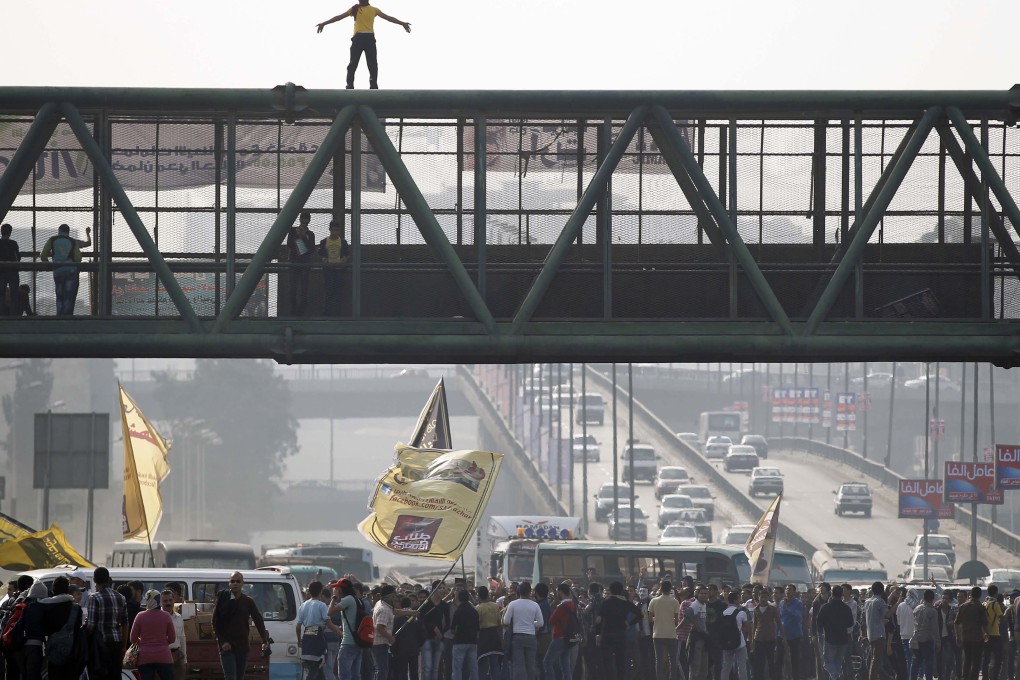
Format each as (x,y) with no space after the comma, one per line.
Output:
(433,428)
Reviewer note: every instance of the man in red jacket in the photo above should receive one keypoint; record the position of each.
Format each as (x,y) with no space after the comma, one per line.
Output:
(560,648)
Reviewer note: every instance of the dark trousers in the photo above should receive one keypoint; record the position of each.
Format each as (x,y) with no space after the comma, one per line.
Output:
(592,656)
(299,289)
(794,645)
(150,671)
(32,662)
(991,663)
(764,653)
(108,665)
(614,655)
(405,667)
(234,664)
(11,671)
(877,660)
(66,287)
(332,278)
(972,653)
(363,43)
(9,287)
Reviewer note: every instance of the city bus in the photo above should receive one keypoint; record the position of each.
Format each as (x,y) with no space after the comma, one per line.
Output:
(193,554)
(847,563)
(719,424)
(342,559)
(708,563)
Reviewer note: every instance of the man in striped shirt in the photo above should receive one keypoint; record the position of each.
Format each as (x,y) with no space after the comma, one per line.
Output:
(106,617)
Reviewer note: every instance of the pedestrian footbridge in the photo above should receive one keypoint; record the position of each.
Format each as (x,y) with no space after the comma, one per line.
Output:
(494,226)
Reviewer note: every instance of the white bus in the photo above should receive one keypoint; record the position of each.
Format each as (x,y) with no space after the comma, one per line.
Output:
(719,424)
(847,562)
(193,554)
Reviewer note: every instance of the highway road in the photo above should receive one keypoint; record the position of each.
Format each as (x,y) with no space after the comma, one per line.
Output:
(807,503)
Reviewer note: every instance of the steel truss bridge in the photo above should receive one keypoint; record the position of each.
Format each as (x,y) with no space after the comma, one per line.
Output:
(497,226)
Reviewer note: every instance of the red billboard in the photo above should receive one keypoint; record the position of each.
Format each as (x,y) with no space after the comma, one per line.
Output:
(971,483)
(1007,466)
(923,499)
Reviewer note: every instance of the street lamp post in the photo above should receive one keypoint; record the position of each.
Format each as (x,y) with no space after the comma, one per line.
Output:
(49,463)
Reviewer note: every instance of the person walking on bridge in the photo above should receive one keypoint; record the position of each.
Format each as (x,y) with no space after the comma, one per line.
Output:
(363,41)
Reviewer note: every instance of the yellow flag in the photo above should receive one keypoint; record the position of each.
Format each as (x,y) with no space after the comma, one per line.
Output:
(761,544)
(145,466)
(39,550)
(429,502)
(11,528)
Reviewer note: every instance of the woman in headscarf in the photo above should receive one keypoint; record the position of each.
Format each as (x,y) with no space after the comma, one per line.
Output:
(153,631)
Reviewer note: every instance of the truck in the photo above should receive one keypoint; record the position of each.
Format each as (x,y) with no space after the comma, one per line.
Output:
(719,424)
(513,539)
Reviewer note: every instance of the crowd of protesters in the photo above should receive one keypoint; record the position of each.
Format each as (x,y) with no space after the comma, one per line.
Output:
(616,631)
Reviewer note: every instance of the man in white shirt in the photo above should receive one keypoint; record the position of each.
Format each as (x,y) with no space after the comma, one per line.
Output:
(524,617)
(664,615)
(382,618)
(696,613)
(736,656)
(905,620)
(179,647)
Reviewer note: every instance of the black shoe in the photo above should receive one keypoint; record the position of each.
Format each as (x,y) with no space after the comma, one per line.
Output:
(350,87)
(373,86)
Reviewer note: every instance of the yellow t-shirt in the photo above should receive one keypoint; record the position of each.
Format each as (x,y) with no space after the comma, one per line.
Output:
(993,614)
(364,22)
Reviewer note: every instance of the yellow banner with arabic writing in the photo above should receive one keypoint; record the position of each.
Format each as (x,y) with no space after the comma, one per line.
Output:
(39,550)
(429,502)
(145,466)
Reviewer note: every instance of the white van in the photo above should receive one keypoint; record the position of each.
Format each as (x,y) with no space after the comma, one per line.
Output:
(275,591)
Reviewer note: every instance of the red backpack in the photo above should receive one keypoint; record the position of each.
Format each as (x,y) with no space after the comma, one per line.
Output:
(364,627)
(13,637)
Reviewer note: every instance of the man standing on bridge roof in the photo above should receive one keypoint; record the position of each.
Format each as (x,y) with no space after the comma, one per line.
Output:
(364,39)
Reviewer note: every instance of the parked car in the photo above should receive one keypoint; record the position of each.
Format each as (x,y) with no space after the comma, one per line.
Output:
(760,444)
(740,457)
(737,534)
(936,543)
(698,518)
(670,507)
(717,447)
(586,447)
(669,478)
(701,495)
(645,462)
(765,480)
(620,526)
(853,497)
(679,534)
(604,499)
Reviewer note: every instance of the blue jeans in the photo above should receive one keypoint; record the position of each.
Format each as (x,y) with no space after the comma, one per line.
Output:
(908,658)
(465,662)
(381,657)
(233,664)
(350,662)
(431,653)
(924,660)
(832,656)
(558,656)
(66,286)
(332,651)
(522,656)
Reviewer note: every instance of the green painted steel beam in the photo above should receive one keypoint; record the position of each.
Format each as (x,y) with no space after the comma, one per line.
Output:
(23,161)
(316,166)
(422,215)
(595,191)
(988,171)
(91,148)
(729,230)
(973,184)
(855,250)
(762,104)
(402,341)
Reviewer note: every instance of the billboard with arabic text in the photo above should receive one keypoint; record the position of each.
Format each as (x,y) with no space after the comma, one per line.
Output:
(971,483)
(923,499)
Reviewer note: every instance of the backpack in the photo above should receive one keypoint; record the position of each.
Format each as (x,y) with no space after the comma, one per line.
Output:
(13,637)
(65,646)
(730,635)
(364,628)
(574,632)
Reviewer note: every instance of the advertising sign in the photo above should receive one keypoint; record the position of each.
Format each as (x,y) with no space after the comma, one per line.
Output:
(923,499)
(826,408)
(846,412)
(1007,466)
(971,483)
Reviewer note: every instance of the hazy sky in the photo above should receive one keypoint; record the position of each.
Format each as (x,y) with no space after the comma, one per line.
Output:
(520,44)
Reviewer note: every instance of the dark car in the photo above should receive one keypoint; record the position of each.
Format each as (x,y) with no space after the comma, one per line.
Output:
(669,478)
(740,457)
(698,518)
(853,497)
(760,444)
(765,480)
(620,526)
(669,509)
(604,499)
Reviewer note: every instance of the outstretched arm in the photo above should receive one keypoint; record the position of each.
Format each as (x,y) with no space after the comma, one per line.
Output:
(393,20)
(338,17)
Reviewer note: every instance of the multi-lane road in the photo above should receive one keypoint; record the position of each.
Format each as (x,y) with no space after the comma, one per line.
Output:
(807,506)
